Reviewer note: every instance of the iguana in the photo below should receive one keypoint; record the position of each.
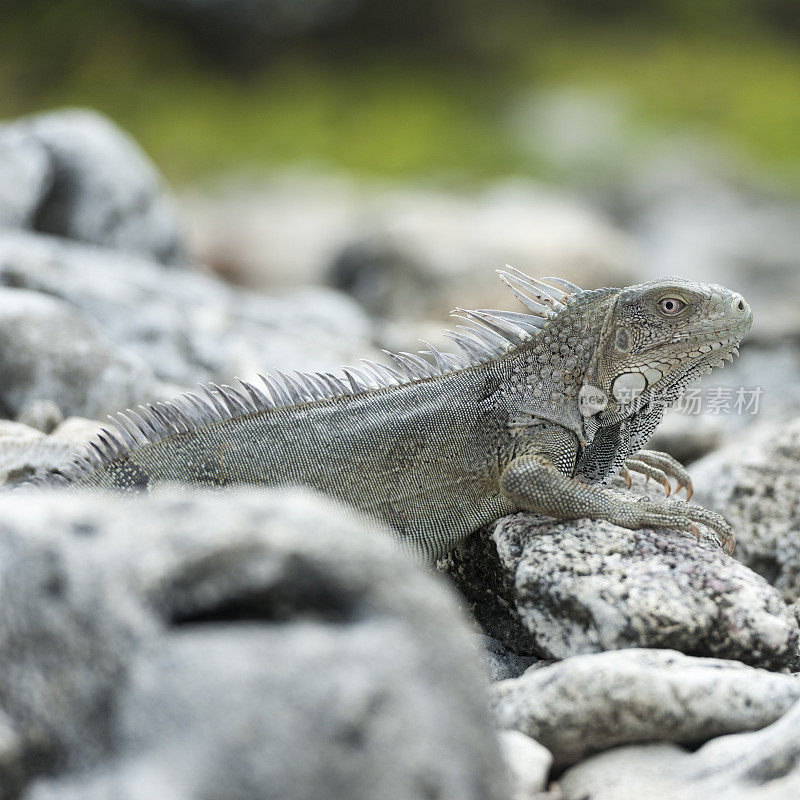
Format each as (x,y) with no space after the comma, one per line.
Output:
(540,411)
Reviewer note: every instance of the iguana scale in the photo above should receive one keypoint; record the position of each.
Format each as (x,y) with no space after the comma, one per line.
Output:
(540,412)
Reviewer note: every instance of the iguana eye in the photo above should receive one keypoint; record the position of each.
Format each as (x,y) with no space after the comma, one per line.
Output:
(670,305)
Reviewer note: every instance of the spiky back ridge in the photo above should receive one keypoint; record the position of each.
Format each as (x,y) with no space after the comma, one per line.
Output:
(489,334)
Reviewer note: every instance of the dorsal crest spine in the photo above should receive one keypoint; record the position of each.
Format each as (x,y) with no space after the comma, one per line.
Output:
(489,334)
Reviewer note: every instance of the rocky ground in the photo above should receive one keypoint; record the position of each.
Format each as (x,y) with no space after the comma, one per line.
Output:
(196,646)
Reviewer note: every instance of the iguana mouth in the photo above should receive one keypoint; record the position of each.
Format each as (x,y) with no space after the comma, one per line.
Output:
(705,338)
(725,351)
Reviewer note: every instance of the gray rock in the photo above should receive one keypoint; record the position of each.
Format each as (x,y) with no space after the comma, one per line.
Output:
(187,326)
(590,703)
(584,587)
(488,592)
(501,663)
(385,278)
(49,351)
(44,415)
(27,453)
(26,174)
(755,479)
(762,765)
(24,458)
(186,646)
(528,764)
(84,179)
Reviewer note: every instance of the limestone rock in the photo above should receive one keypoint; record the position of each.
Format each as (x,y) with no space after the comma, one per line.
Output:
(49,351)
(500,662)
(404,252)
(189,326)
(762,765)
(756,480)
(85,179)
(44,415)
(27,453)
(589,703)
(583,586)
(528,764)
(181,645)
(26,174)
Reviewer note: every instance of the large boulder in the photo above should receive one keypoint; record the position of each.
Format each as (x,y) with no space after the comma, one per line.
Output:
(81,177)
(589,703)
(568,588)
(183,645)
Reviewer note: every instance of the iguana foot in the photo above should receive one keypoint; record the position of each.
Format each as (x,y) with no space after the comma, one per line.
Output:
(647,513)
(660,467)
(532,483)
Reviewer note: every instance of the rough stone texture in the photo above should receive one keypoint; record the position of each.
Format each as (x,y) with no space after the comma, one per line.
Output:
(756,480)
(49,351)
(187,646)
(762,765)
(501,663)
(488,591)
(794,664)
(589,703)
(26,174)
(528,764)
(585,586)
(85,179)
(187,326)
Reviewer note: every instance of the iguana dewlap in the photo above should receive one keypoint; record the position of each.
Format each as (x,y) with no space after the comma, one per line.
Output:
(538,413)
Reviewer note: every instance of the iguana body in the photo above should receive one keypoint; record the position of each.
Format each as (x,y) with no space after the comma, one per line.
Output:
(441,449)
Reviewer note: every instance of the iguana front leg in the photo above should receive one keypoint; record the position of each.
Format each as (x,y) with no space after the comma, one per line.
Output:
(660,467)
(532,483)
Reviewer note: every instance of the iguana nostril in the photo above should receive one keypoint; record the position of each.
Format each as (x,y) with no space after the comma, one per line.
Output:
(738,304)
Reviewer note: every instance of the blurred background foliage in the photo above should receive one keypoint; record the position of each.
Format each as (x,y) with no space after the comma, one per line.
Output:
(454,90)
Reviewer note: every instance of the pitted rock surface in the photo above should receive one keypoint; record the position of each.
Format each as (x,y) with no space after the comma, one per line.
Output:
(590,703)
(188,326)
(180,645)
(756,482)
(761,765)
(585,587)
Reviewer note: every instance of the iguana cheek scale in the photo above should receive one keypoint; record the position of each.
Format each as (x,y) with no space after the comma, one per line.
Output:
(439,446)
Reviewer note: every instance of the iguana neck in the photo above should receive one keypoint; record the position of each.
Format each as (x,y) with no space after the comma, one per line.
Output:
(549,371)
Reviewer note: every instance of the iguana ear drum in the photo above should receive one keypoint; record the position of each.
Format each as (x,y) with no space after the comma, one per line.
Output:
(627,386)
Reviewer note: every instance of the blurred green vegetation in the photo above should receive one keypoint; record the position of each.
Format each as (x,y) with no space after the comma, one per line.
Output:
(431,98)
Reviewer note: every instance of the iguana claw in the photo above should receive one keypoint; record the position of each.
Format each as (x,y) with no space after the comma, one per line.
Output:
(660,466)
(679,516)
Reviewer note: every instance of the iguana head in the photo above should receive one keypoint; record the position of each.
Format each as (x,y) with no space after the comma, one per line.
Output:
(656,339)
(662,335)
